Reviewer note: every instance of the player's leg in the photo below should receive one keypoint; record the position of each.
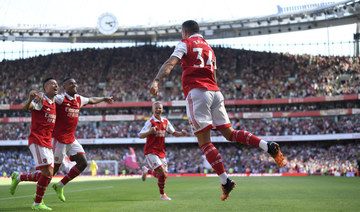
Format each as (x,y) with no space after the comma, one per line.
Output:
(198,108)
(162,172)
(214,158)
(76,170)
(162,175)
(144,173)
(222,123)
(158,170)
(44,162)
(56,168)
(245,137)
(198,103)
(145,170)
(212,154)
(16,178)
(78,155)
(59,150)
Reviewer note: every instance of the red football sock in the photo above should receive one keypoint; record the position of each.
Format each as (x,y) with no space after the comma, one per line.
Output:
(41,186)
(30,176)
(74,172)
(213,157)
(244,137)
(153,172)
(161,182)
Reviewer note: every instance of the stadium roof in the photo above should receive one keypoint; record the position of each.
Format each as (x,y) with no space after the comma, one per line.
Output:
(80,21)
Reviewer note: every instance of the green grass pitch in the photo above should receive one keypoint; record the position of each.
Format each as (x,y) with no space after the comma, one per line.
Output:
(309,193)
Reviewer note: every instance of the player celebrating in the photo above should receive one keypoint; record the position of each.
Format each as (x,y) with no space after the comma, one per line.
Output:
(204,101)
(68,106)
(43,116)
(154,150)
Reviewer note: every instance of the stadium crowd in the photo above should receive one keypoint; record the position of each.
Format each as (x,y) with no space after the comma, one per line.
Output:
(182,111)
(126,73)
(300,157)
(261,127)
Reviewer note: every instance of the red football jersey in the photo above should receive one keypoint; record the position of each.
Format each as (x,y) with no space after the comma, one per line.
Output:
(198,65)
(43,123)
(155,143)
(67,110)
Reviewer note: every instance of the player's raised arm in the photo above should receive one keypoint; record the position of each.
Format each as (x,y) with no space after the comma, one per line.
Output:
(28,105)
(96,100)
(164,71)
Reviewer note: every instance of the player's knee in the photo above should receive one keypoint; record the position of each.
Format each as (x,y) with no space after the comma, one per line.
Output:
(82,164)
(226,132)
(47,171)
(56,169)
(81,161)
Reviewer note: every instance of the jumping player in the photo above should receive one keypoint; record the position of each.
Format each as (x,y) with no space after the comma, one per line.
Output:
(204,101)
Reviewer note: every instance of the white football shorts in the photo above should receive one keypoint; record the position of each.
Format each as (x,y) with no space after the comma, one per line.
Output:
(206,109)
(154,162)
(60,149)
(43,156)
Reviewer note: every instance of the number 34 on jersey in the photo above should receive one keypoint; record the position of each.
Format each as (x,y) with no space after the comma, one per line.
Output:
(203,55)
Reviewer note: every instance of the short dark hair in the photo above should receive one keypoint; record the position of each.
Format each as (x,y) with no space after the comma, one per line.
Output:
(191,26)
(46,80)
(66,79)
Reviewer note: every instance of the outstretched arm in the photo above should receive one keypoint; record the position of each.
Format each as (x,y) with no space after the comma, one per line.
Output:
(95,100)
(164,71)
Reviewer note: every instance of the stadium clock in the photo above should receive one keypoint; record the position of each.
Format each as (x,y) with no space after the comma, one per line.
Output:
(107,24)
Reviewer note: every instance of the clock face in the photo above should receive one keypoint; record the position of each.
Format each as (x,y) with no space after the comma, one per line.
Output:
(107,24)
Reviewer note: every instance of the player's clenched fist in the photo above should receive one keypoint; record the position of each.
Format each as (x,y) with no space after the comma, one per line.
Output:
(153,130)
(154,90)
(33,94)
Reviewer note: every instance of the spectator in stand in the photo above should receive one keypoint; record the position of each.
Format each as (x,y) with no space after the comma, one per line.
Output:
(302,157)
(264,75)
(262,127)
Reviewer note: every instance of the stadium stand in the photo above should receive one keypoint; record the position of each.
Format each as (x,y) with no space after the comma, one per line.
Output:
(307,157)
(270,94)
(126,73)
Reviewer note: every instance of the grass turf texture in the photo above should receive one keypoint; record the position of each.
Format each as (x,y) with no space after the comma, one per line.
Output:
(310,193)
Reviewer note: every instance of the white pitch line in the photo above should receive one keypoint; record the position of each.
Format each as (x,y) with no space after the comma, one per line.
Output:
(25,196)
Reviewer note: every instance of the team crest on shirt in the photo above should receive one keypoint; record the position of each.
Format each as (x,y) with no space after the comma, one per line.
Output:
(77,104)
(68,104)
(164,126)
(56,158)
(44,160)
